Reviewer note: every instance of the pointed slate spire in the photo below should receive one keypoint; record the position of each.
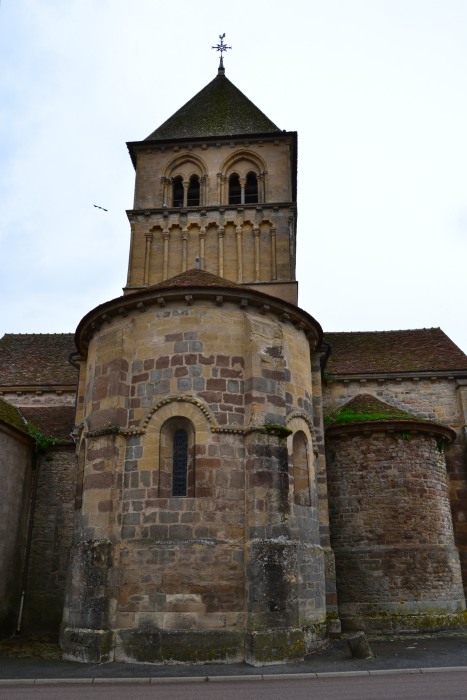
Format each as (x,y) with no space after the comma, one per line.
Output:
(219,109)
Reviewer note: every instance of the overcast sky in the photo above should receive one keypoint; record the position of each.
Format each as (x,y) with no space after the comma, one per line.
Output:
(377,90)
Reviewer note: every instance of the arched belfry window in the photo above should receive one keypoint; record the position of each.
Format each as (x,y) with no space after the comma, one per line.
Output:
(301,474)
(235,190)
(193,191)
(176,458)
(251,189)
(177,192)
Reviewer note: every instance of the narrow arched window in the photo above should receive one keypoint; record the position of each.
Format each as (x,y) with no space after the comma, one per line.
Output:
(251,189)
(301,475)
(177,190)
(180,463)
(177,458)
(193,191)
(235,190)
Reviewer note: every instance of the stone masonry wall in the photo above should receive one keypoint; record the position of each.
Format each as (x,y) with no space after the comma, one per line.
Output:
(437,399)
(246,244)
(16,479)
(181,568)
(51,540)
(391,531)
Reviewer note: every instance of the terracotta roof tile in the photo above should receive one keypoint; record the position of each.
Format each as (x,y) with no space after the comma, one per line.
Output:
(37,359)
(385,352)
(196,278)
(53,421)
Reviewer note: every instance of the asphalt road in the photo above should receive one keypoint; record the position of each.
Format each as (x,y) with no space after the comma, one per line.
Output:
(441,685)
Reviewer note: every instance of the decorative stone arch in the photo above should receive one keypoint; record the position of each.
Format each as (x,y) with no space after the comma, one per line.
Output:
(186,165)
(240,165)
(167,421)
(302,451)
(251,161)
(175,404)
(183,168)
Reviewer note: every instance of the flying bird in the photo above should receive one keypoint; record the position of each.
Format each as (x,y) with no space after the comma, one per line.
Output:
(98,207)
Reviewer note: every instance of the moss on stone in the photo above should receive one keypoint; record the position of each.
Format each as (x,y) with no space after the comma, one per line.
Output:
(11,415)
(159,646)
(276,429)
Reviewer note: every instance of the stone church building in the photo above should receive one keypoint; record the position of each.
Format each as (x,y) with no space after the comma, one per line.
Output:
(200,473)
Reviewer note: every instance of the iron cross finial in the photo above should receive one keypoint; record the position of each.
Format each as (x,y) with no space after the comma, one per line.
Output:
(222,48)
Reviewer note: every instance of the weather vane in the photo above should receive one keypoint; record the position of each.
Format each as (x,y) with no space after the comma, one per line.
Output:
(221,47)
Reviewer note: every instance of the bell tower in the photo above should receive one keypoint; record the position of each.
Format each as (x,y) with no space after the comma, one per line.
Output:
(215,189)
(201,524)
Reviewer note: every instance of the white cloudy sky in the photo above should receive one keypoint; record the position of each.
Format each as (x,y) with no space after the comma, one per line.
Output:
(375,88)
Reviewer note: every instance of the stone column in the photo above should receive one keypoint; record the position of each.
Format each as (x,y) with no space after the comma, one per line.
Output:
(164,191)
(165,236)
(202,240)
(202,191)
(242,190)
(184,248)
(273,253)
(220,238)
(239,255)
(220,188)
(257,252)
(147,258)
(261,198)
(129,279)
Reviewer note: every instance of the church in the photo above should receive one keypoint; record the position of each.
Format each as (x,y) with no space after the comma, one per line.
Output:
(201,473)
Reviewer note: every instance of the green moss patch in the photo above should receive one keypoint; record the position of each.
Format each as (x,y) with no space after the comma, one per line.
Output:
(365,408)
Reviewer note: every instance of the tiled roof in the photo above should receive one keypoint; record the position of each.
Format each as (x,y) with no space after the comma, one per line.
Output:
(196,278)
(37,359)
(365,409)
(10,415)
(385,352)
(219,109)
(368,408)
(53,421)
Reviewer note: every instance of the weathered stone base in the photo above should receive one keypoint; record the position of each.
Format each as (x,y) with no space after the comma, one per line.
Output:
(160,646)
(317,636)
(379,621)
(274,646)
(190,647)
(87,646)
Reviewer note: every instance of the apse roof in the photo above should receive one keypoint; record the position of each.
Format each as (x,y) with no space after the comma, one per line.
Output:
(385,352)
(219,109)
(196,278)
(368,408)
(365,409)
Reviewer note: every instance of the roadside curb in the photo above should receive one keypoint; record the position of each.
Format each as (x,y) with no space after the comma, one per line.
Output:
(155,680)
